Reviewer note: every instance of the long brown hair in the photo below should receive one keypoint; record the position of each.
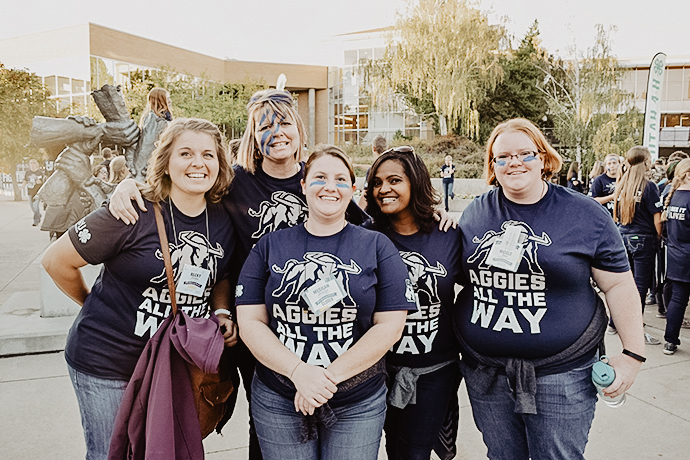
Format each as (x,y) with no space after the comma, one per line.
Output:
(552,160)
(682,171)
(631,182)
(157,102)
(158,181)
(280,103)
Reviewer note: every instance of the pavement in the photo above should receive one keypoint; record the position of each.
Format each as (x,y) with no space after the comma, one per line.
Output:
(39,416)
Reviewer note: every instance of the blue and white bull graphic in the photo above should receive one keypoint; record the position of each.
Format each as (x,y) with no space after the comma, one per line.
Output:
(530,243)
(316,265)
(283,209)
(423,275)
(193,249)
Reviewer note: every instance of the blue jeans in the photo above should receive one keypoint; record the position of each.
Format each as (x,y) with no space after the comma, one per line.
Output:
(356,434)
(559,430)
(99,399)
(448,192)
(641,251)
(35,204)
(675,311)
(412,431)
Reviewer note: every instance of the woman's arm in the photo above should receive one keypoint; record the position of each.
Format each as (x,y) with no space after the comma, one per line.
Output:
(657,223)
(387,329)
(62,263)
(121,206)
(220,299)
(624,305)
(314,383)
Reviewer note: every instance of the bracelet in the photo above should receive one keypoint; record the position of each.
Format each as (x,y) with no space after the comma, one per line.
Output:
(222,311)
(295,368)
(634,356)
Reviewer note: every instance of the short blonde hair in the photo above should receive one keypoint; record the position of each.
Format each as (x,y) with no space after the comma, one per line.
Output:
(552,160)
(281,104)
(157,178)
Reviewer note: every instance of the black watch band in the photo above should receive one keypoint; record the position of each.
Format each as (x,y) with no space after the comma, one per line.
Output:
(634,356)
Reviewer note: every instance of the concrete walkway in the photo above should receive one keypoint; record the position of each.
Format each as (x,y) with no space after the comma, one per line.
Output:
(40,417)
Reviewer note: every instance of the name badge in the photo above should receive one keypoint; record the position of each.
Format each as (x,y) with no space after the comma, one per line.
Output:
(323,294)
(506,252)
(193,280)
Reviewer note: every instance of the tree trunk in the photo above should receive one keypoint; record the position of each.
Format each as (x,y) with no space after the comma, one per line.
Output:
(15,184)
(442,125)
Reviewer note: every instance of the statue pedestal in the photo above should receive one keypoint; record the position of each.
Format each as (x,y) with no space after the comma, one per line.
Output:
(54,302)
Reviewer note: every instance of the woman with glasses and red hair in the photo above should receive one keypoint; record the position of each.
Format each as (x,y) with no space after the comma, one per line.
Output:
(529,322)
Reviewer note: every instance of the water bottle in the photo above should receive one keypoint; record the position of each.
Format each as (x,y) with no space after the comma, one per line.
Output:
(603,375)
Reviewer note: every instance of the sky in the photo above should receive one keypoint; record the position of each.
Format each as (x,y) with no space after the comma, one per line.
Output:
(298,31)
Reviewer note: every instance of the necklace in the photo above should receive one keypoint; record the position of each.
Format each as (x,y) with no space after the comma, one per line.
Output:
(172,219)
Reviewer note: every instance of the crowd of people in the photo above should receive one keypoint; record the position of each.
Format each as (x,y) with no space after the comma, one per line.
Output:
(345,324)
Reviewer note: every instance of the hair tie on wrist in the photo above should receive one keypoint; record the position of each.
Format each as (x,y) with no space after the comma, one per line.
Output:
(634,356)
(222,311)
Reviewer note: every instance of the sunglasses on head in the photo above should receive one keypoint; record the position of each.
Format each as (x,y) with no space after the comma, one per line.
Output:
(401,149)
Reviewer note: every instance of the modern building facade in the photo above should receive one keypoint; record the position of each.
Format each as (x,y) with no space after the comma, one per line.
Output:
(75,60)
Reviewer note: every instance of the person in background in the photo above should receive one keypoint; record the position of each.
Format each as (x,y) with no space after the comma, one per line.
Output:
(401,201)
(188,176)
(101,172)
(529,322)
(604,185)
(118,170)
(658,172)
(33,180)
(339,291)
(597,169)
(638,211)
(107,155)
(154,120)
(378,146)
(677,219)
(573,180)
(448,177)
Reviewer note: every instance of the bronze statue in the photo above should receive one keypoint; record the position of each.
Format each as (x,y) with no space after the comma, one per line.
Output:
(72,191)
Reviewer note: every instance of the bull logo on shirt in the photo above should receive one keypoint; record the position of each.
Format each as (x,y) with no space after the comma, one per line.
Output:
(193,249)
(423,275)
(530,243)
(298,275)
(283,209)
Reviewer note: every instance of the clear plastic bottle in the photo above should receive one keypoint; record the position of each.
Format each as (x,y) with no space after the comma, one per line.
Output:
(603,375)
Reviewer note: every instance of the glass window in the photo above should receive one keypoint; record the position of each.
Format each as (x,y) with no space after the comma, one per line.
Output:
(674,78)
(641,83)
(363,122)
(671,120)
(379,52)
(351,57)
(685,120)
(51,85)
(365,54)
(78,86)
(64,86)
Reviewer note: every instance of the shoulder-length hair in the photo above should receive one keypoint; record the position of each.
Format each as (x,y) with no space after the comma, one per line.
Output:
(573,170)
(279,103)
(157,102)
(682,171)
(322,150)
(118,169)
(552,160)
(423,198)
(597,169)
(631,182)
(157,178)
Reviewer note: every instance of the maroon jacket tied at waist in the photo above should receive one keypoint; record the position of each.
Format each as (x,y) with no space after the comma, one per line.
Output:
(157,419)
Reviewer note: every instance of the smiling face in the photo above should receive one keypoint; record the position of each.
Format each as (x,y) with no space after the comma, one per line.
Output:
(193,165)
(328,188)
(611,165)
(518,178)
(392,188)
(276,137)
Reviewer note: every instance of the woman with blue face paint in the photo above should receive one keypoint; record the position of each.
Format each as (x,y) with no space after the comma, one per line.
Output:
(528,320)
(319,305)
(266,194)
(423,366)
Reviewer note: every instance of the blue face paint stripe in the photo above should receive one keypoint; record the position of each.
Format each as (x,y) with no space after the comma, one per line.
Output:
(318,183)
(341,185)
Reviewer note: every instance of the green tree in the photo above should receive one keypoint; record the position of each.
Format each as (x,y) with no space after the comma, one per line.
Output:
(445,50)
(22,97)
(518,95)
(584,96)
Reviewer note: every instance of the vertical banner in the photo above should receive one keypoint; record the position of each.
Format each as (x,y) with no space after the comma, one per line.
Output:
(652,109)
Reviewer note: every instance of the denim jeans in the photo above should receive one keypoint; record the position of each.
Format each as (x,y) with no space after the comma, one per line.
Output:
(641,251)
(559,430)
(356,434)
(412,431)
(99,399)
(675,311)
(35,204)
(448,192)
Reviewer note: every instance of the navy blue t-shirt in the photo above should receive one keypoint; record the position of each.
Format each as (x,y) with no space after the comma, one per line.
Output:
(547,304)
(130,298)
(284,263)
(433,267)
(643,220)
(602,186)
(678,228)
(448,173)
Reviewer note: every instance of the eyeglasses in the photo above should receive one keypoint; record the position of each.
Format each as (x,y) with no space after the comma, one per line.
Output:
(503,159)
(401,149)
